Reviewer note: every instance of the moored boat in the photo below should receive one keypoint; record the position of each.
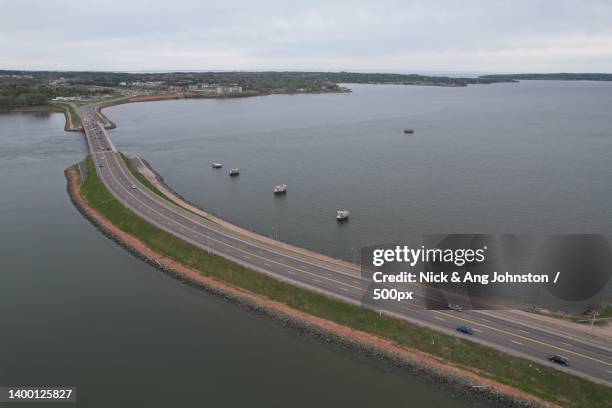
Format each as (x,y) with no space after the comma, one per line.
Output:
(234,171)
(217,165)
(280,189)
(342,215)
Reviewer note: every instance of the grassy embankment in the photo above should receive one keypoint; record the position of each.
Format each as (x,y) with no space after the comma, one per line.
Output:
(536,379)
(605,312)
(69,109)
(53,107)
(142,178)
(150,185)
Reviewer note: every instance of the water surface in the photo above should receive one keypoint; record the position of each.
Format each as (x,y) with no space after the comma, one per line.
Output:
(78,310)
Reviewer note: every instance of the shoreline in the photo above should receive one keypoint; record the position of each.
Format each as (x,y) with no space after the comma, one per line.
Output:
(410,361)
(159,183)
(69,126)
(157,180)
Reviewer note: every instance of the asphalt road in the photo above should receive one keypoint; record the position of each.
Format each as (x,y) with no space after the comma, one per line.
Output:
(335,278)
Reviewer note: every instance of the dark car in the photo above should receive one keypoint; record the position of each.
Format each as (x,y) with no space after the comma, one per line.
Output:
(465,329)
(555,358)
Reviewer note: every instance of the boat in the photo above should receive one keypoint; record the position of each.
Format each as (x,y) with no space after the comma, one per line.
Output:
(234,171)
(408,131)
(280,189)
(217,165)
(342,215)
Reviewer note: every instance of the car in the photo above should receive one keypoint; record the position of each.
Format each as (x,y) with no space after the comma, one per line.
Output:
(455,307)
(133,187)
(465,329)
(100,165)
(556,358)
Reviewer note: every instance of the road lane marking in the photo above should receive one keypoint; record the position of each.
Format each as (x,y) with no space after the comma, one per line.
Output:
(517,342)
(148,194)
(439,318)
(361,289)
(526,338)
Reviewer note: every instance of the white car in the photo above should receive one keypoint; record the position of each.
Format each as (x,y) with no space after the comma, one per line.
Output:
(133,187)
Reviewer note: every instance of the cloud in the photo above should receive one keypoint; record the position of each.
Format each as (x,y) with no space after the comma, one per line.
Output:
(479,35)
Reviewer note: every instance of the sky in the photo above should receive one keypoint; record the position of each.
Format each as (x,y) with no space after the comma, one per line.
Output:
(470,36)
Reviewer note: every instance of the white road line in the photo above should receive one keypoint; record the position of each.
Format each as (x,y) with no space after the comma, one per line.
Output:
(477,330)
(523,331)
(292,273)
(343,288)
(485,320)
(609,371)
(439,318)
(566,344)
(267,264)
(318,281)
(516,342)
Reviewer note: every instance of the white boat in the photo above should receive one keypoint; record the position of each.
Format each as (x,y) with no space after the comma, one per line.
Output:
(217,165)
(280,189)
(342,215)
(234,171)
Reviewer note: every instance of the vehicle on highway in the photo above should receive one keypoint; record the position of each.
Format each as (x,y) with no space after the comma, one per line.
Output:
(465,329)
(556,358)
(455,307)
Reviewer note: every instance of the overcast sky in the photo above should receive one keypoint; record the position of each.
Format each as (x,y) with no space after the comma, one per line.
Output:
(382,35)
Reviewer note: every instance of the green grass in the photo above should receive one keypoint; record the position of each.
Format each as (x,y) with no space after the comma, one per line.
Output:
(150,185)
(54,107)
(536,379)
(142,178)
(606,312)
(76,119)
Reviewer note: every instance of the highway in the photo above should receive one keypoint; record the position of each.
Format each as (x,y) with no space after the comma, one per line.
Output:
(335,278)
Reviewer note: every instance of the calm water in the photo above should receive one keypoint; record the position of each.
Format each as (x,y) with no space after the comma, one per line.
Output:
(75,309)
(532,157)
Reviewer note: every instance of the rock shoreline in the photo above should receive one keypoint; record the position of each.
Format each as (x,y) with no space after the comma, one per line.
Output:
(461,381)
